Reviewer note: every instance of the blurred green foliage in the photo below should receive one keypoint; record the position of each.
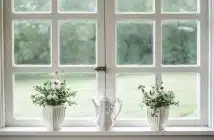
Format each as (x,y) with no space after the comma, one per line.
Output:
(78,38)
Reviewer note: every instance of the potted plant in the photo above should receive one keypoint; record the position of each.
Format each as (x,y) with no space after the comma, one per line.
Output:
(53,96)
(158,101)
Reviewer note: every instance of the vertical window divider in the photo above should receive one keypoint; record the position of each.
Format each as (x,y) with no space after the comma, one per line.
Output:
(203,48)
(211,65)
(55,37)
(2,103)
(158,42)
(8,59)
(110,42)
(101,47)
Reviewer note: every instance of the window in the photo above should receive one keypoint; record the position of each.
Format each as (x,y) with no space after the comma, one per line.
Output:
(139,41)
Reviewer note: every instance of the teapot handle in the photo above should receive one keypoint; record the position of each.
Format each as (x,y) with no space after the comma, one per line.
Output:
(120,107)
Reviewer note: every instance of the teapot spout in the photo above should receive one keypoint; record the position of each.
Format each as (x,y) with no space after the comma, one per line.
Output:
(95,104)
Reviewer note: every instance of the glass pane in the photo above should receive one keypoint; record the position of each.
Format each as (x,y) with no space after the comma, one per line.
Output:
(23,89)
(180,42)
(134,5)
(127,91)
(180,5)
(185,93)
(78,42)
(32,41)
(78,5)
(85,84)
(32,5)
(134,43)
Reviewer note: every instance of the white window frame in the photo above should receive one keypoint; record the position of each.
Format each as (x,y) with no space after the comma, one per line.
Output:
(211,65)
(107,38)
(2,102)
(202,68)
(55,17)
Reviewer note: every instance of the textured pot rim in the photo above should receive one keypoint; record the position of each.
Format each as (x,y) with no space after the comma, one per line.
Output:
(57,106)
(148,107)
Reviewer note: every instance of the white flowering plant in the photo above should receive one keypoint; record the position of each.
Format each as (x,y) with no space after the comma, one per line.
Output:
(54,92)
(157,97)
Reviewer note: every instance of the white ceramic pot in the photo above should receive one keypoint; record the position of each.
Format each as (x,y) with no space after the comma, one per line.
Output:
(53,117)
(159,121)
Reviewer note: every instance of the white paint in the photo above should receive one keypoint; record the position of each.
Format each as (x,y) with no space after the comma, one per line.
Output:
(2,105)
(55,17)
(116,131)
(106,47)
(158,17)
(211,67)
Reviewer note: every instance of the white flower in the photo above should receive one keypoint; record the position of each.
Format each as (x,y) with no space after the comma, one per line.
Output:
(55,97)
(49,97)
(41,95)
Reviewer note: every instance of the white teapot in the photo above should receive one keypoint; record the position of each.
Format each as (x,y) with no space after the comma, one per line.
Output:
(105,112)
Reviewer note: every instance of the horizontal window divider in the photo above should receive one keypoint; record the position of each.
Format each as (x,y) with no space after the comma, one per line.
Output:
(135,69)
(180,16)
(135,16)
(50,69)
(163,16)
(181,69)
(156,69)
(55,16)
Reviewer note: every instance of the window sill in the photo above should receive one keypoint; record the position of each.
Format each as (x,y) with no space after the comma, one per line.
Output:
(116,131)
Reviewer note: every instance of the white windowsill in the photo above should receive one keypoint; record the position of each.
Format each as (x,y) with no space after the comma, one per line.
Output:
(116,131)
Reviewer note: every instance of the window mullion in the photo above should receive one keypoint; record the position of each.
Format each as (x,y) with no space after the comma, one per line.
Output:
(158,41)
(203,49)
(8,51)
(54,6)
(110,42)
(100,46)
(55,37)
